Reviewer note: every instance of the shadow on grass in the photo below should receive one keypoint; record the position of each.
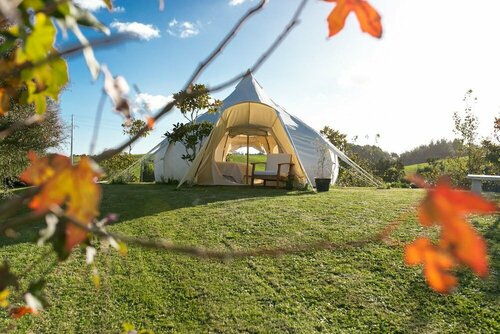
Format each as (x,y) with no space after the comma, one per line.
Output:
(133,201)
(146,200)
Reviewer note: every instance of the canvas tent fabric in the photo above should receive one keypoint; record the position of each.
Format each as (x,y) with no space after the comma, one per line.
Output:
(248,116)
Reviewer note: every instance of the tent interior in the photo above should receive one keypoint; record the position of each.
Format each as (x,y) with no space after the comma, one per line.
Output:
(243,141)
(247,125)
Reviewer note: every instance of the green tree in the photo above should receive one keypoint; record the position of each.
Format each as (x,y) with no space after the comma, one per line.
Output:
(133,128)
(465,126)
(191,134)
(335,137)
(48,134)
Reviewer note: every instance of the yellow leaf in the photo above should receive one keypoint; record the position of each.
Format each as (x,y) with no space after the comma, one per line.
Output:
(4,295)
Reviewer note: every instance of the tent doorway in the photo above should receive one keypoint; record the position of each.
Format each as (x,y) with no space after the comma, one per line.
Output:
(239,148)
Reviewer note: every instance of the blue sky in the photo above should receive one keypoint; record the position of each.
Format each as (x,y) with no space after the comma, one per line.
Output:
(404,87)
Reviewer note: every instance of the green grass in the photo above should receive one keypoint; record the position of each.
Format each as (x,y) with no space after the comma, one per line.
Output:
(366,289)
(411,169)
(242,159)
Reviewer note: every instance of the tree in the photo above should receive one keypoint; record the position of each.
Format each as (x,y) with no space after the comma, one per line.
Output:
(48,134)
(191,134)
(335,137)
(465,126)
(133,128)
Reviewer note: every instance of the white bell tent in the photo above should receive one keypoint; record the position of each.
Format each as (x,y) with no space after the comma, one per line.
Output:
(247,119)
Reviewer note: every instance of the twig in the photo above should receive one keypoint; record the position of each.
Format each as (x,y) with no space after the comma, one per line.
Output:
(24,219)
(293,22)
(35,119)
(222,45)
(69,51)
(186,92)
(221,255)
(13,205)
(97,122)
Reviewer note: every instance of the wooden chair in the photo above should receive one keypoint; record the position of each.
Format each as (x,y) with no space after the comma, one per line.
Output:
(278,168)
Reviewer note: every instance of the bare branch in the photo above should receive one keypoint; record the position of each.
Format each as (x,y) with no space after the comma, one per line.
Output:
(293,22)
(186,92)
(223,255)
(35,119)
(97,122)
(20,220)
(222,45)
(67,52)
(13,205)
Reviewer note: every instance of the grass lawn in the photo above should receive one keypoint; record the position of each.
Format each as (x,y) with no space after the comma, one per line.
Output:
(242,159)
(365,289)
(412,169)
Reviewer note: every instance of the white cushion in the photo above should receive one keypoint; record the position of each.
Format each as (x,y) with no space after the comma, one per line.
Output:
(274,159)
(268,173)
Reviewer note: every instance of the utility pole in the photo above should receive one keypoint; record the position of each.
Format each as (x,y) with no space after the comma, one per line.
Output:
(72,127)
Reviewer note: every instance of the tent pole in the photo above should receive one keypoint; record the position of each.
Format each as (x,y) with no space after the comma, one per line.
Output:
(248,143)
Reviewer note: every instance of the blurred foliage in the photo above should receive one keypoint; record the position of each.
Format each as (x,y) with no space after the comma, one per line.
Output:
(49,134)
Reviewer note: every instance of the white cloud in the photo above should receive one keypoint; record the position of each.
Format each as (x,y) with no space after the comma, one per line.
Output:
(92,5)
(118,9)
(184,29)
(95,5)
(152,102)
(237,2)
(136,29)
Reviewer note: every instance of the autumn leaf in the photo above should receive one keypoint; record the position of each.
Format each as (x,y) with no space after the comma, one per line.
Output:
(4,298)
(150,122)
(64,185)
(368,18)
(21,311)
(448,207)
(7,278)
(4,102)
(436,264)
(109,4)
(458,242)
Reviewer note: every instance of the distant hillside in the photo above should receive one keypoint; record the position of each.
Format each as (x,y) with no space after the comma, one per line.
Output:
(439,149)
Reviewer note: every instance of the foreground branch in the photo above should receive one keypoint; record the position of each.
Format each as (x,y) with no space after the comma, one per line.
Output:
(227,255)
(213,55)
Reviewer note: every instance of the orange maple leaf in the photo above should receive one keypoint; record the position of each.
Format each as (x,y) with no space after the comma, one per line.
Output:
(150,122)
(63,184)
(436,264)
(4,102)
(21,311)
(369,19)
(449,207)
(458,241)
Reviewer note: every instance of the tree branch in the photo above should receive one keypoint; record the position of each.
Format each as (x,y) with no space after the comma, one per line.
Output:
(222,255)
(186,92)
(281,37)
(222,45)
(35,119)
